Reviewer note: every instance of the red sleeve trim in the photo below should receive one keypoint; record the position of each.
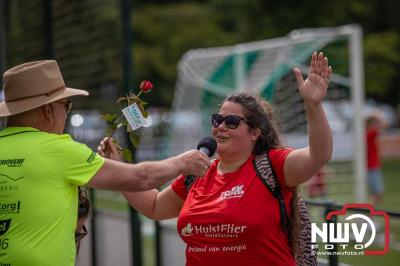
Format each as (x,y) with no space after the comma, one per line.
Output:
(178,186)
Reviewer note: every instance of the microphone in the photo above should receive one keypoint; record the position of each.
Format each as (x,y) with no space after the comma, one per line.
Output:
(208,146)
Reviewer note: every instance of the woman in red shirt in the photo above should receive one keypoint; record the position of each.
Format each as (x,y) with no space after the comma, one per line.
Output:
(228,217)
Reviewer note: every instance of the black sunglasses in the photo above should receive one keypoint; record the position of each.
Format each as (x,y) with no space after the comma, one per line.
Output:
(80,235)
(231,121)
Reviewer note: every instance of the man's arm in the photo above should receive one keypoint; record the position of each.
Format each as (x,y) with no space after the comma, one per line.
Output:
(143,176)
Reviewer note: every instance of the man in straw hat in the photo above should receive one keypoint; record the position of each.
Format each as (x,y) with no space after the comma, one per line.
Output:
(40,168)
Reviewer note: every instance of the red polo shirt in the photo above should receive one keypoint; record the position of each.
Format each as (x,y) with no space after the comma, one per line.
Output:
(233,219)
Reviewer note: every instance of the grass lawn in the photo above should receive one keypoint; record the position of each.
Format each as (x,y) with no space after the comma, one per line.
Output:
(391,173)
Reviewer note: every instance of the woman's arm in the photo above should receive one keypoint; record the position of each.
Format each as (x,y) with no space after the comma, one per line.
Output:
(156,205)
(302,164)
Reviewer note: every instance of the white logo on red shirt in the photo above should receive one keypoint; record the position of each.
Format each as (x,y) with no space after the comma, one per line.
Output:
(235,192)
(187,230)
(214,230)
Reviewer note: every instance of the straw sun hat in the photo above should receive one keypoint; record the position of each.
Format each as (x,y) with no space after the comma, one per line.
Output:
(33,84)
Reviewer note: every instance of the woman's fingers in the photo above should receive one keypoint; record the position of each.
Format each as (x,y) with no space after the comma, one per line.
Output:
(319,63)
(313,66)
(299,77)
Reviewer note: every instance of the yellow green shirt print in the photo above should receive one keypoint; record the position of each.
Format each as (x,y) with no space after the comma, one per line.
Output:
(39,175)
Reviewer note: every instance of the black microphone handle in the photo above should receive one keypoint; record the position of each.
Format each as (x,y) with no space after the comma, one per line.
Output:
(190,179)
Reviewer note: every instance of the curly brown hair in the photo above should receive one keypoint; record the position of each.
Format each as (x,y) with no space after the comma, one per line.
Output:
(259,114)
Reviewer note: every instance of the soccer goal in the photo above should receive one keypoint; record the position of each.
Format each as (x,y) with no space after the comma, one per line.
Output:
(207,76)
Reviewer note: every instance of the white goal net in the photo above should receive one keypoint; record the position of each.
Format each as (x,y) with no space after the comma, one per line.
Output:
(207,76)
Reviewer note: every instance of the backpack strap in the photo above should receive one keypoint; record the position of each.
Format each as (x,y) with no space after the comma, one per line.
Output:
(264,170)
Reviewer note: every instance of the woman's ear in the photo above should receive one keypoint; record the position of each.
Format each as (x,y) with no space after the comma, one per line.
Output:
(255,133)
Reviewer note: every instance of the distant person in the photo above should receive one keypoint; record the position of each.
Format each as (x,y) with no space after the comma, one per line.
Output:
(375,122)
(41,168)
(229,217)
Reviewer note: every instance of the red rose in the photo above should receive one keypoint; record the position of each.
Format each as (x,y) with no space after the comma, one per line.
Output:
(146,86)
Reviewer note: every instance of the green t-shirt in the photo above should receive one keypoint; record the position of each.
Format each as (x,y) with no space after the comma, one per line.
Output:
(39,175)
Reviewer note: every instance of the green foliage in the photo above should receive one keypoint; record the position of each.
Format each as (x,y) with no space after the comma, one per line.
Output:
(114,122)
(382,61)
(86,36)
(23,31)
(127,155)
(134,139)
(164,33)
(261,19)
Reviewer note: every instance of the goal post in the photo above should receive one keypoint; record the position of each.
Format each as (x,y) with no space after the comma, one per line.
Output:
(207,76)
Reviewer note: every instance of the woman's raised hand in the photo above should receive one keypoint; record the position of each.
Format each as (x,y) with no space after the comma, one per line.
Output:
(314,88)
